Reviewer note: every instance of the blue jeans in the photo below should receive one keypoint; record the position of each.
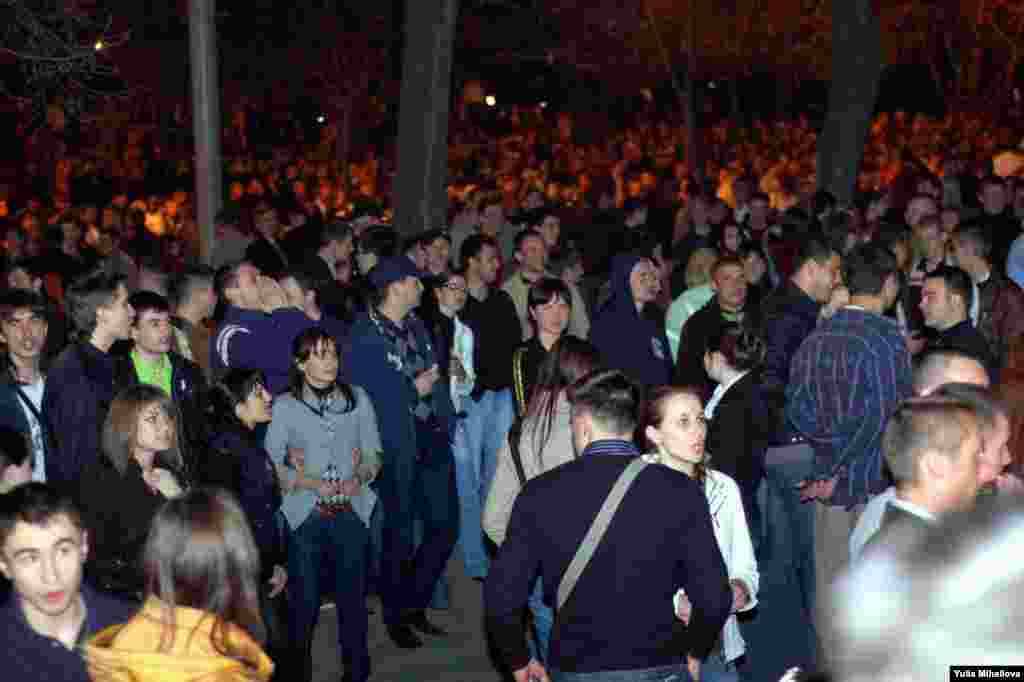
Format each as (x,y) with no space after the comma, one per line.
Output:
(543,621)
(325,548)
(478,439)
(421,489)
(676,672)
(715,669)
(780,632)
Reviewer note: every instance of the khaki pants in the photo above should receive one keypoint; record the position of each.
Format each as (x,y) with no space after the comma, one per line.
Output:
(832,529)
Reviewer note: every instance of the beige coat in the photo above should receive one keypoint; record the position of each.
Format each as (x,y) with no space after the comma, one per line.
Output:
(505,486)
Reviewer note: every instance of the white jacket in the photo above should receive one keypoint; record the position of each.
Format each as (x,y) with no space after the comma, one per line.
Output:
(462,348)
(733,536)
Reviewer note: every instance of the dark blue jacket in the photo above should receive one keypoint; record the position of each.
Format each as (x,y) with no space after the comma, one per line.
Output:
(371,362)
(255,340)
(238,463)
(80,386)
(31,657)
(627,340)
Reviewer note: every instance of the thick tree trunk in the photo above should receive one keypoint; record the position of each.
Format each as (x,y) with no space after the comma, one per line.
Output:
(857,63)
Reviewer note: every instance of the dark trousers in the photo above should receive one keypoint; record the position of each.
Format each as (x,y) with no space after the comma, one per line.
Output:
(421,489)
(326,548)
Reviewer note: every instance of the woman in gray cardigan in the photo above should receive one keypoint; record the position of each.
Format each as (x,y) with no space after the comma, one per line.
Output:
(324,433)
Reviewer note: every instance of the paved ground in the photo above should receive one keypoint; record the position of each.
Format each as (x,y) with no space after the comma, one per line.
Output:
(462,656)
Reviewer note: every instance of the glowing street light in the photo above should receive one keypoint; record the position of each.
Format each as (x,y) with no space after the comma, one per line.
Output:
(490,100)
(99,45)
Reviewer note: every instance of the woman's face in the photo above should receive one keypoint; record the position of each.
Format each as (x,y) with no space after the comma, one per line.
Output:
(320,369)
(155,431)
(552,317)
(256,408)
(731,238)
(682,430)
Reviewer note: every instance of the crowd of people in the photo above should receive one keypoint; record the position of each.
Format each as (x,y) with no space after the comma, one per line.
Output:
(666,417)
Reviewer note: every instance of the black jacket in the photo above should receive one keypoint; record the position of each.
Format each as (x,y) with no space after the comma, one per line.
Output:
(12,415)
(79,389)
(236,461)
(739,434)
(788,316)
(700,333)
(264,256)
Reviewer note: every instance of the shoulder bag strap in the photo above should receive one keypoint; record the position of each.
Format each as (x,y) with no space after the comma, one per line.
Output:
(597,529)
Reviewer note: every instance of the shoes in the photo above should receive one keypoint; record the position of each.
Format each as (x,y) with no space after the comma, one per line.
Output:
(418,620)
(403,636)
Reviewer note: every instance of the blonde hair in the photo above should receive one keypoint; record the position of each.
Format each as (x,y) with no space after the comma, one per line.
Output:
(699,267)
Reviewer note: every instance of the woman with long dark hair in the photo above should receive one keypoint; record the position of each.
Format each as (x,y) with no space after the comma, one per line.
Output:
(236,461)
(140,467)
(201,616)
(541,441)
(327,431)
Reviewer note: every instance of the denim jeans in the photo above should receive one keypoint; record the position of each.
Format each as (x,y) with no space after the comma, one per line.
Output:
(715,669)
(331,548)
(789,523)
(423,489)
(676,672)
(478,439)
(543,621)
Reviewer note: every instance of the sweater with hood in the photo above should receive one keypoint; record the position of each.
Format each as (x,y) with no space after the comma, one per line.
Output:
(135,651)
(627,339)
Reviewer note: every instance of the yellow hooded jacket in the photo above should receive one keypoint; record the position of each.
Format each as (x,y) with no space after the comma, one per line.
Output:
(132,652)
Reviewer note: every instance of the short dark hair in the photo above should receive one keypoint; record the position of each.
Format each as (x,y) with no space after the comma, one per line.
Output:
(473,246)
(975,234)
(431,236)
(743,349)
(991,180)
(867,267)
(19,299)
(35,504)
(14,447)
(88,293)
(609,398)
(226,278)
(524,235)
(335,231)
(144,301)
(184,286)
(814,248)
(957,282)
(33,267)
(381,241)
(725,262)
(544,290)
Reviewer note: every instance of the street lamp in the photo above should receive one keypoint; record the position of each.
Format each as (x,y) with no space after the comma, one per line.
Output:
(99,45)
(490,100)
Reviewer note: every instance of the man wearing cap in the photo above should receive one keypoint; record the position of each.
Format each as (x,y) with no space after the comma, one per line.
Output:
(391,356)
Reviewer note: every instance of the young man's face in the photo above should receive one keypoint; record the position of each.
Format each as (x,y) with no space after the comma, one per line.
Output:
(44,562)
(117,317)
(24,333)
(152,331)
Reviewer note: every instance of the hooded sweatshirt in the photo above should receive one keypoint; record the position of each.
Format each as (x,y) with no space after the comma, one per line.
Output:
(627,340)
(133,651)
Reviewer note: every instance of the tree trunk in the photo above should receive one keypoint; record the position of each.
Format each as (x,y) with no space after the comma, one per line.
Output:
(693,150)
(857,63)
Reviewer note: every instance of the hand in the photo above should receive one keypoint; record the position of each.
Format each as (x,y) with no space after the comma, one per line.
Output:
(272,296)
(357,459)
(693,665)
(426,380)
(163,482)
(685,609)
(297,458)
(277,581)
(740,595)
(533,672)
(915,343)
(327,488)
(840,297)
(350,487)
(817,490)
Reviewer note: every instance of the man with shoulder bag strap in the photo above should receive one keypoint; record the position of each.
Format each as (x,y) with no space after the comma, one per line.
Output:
(612,539)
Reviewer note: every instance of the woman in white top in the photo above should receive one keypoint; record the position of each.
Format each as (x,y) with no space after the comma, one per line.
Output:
(674,427)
